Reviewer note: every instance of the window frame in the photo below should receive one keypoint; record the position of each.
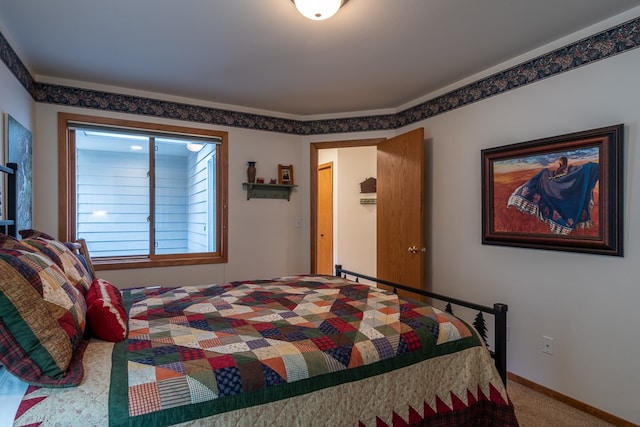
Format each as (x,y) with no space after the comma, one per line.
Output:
(67,194)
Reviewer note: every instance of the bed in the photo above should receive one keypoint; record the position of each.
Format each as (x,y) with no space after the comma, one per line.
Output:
(301,350)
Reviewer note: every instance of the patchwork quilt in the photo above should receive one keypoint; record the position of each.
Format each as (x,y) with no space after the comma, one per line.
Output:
(303,350)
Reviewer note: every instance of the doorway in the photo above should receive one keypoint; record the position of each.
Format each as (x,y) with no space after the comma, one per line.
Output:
(314,164)
(400,215)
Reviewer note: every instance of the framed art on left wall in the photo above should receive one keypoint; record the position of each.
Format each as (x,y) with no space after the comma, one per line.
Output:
(19,150)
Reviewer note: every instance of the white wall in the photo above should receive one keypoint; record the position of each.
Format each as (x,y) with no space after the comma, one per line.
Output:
(356,237)
(587,303)
(354,225)
(15,101)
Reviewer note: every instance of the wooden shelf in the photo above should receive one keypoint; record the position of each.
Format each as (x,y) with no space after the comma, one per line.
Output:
(268,191)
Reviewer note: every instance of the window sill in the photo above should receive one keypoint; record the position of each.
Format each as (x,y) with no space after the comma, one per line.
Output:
(143,262)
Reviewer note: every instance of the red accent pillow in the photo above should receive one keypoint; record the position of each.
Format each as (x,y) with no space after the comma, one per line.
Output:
(106,318)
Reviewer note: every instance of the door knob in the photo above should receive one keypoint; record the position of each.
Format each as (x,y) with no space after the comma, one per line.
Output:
(414,250)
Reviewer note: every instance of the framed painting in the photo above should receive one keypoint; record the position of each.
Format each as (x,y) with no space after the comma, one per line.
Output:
(561,193)
(19,150)
(285,174)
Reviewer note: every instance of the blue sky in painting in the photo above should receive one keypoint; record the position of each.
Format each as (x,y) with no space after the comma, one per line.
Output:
(545,160)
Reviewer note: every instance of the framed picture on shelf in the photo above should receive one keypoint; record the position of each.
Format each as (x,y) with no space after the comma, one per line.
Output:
(561,193)
(285,174)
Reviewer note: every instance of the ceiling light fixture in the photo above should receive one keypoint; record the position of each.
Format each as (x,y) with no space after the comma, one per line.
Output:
(318,10)
(193,147)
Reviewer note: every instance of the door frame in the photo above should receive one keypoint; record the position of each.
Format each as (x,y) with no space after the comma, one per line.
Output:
(313,186)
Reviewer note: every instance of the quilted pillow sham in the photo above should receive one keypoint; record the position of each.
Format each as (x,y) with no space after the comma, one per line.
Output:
(57,251)
(10,242)
(42,320)
(106,317)
(35,233)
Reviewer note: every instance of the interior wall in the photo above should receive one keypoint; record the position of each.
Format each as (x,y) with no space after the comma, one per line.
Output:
(15,101)
(356,222)
(354,225)
(264,237)
(586,303)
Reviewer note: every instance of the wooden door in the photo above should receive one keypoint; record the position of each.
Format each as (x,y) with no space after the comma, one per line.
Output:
(325,219)
(400,209)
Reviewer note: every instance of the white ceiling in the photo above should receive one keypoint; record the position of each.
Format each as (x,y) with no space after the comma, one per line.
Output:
(263,55)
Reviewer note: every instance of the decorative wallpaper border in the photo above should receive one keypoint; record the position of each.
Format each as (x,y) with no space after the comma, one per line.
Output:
(606,44)
(603,45)
(15,65)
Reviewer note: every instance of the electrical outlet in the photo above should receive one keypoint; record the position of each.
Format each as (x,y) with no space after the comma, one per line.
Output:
(547,345)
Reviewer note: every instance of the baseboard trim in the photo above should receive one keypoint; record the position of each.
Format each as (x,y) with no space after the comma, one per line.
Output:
(605,416)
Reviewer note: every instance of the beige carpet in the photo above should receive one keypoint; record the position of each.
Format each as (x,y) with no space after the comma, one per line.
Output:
(534,409)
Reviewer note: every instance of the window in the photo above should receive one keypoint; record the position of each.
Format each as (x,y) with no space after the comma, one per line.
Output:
(143,194)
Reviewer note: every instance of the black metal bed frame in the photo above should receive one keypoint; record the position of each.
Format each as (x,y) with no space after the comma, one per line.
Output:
(8,224)
(499,311)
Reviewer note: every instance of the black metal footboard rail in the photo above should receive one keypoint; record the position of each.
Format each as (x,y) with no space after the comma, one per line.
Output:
(499,311)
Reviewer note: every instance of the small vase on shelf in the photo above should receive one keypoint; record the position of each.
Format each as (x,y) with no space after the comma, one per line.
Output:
(251,172)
